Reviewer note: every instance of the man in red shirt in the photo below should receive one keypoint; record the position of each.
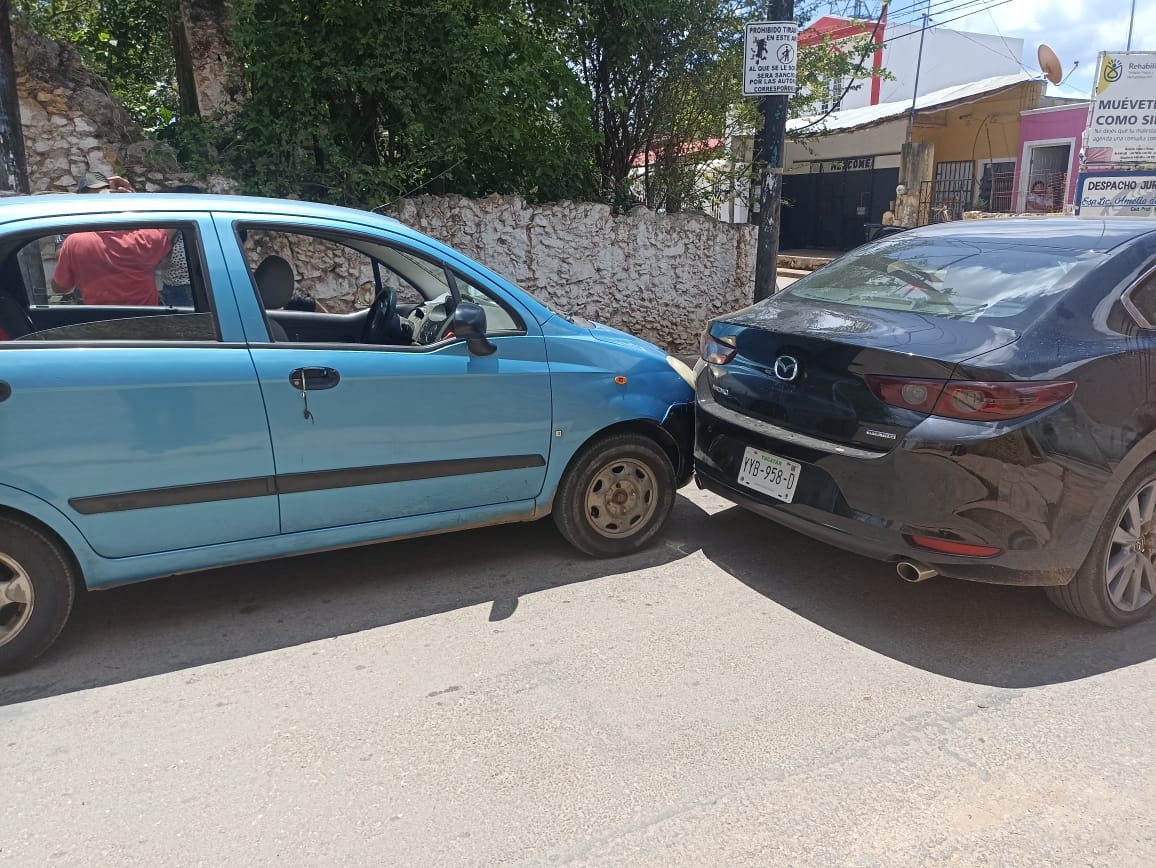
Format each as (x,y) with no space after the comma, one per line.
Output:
(113,267)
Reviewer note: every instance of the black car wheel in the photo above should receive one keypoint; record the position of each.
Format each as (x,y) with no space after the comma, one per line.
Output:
(36,593)
(615,496)
(1116,586)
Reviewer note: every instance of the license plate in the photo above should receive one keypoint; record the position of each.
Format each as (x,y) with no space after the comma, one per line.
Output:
(769,474)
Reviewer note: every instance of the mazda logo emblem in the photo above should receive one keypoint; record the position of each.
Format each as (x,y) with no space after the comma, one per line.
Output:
(786,368)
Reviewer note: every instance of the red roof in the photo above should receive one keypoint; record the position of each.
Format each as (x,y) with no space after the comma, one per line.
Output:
(651,157)
(833,28)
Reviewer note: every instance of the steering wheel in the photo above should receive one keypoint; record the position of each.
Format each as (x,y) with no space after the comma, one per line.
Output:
(383,325)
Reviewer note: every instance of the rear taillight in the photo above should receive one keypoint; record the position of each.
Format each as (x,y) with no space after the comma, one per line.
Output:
(967,399)
(951,547)
(715,351)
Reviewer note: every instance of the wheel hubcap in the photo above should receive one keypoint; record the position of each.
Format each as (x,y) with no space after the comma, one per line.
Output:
(1130,569)
(621,498)
(16,598)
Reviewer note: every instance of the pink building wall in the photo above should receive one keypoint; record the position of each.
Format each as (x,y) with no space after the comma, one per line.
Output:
(1050,126)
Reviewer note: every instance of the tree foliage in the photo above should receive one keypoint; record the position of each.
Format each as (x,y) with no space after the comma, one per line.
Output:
(127,42)
(364,101)
(640,60)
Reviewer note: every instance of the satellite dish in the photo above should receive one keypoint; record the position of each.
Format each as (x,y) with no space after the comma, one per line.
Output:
(1050,64)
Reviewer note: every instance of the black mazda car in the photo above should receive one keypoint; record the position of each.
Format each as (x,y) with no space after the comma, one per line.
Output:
(974,399)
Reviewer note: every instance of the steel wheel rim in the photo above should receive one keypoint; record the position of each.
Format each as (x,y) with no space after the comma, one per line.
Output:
(621,498)
(1130,565)
(17,598)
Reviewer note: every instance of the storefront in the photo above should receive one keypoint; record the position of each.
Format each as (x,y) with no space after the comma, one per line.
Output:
(828,206)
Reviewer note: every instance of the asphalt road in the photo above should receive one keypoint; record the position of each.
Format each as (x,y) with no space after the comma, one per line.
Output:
(737,695)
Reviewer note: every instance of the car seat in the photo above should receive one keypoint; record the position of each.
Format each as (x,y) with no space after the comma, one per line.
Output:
(274,279)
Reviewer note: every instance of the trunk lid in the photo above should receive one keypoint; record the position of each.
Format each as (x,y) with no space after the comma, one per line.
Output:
(829,349)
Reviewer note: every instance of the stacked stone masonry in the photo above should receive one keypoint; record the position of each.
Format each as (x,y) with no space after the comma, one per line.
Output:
(660,277)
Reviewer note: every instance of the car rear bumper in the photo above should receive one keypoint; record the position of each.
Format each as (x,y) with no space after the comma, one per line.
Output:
(873,506)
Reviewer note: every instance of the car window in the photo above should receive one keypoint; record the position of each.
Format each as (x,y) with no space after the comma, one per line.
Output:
(946,277)
(298,276)
(330,271)
(499,318)
(1140,300)
(143,266)
(136,283)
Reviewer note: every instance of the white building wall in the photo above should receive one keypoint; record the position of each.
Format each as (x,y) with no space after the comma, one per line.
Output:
(950,57)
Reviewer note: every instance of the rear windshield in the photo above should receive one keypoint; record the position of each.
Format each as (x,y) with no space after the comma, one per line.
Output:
(946,277)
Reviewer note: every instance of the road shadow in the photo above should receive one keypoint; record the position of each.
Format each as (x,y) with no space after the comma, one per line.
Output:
(185,621)
(984,634)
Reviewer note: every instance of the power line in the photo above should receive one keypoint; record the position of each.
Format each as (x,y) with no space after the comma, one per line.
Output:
(870,48)
(910,8)
(1007,55)
(916,9)
(999,33)
(992,5)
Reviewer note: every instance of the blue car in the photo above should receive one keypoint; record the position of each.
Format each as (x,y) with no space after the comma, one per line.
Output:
(141,439)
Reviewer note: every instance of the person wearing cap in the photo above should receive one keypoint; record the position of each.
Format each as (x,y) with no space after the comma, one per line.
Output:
(97,182)
(112,267)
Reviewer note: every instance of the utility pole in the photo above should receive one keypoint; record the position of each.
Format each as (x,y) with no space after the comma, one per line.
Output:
(1131,22)
(918,64)
(770,156)
(13,168)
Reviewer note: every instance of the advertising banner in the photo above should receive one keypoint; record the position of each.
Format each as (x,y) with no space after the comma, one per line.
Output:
(1116,194)
(1122,118)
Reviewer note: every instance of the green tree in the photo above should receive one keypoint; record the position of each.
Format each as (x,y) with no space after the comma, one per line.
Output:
(665,80)
(127,42)
(691,171)
(362,103)
(634,57)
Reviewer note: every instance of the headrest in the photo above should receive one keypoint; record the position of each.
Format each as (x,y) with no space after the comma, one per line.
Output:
(274,277)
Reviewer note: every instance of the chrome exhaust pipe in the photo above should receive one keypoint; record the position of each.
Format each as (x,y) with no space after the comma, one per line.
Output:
(912,571)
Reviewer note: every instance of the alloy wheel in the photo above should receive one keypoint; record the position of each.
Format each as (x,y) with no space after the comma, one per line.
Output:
(1130,565)
(17,598)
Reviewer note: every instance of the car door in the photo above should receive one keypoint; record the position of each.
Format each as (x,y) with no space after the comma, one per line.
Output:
(147,431)
(386,431)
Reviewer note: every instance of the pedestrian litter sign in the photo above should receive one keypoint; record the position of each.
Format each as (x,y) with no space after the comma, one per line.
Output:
(769,60)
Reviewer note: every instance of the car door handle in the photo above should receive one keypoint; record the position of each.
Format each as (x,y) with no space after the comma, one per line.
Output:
(314,379)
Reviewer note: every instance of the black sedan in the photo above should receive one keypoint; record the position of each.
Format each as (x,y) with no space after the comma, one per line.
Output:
(974,399)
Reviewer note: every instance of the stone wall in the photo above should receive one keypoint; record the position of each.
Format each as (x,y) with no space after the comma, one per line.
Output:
(660,277)
(73,125)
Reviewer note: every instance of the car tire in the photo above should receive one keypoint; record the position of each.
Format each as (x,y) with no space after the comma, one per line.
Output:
(37,589)
(616,495)
(1116,585)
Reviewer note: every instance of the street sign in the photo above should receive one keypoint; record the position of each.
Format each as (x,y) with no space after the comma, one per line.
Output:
(1122,116)
(1116,194)
(770,54)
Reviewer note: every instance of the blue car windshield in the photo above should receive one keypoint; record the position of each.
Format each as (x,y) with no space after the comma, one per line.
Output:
(970,280)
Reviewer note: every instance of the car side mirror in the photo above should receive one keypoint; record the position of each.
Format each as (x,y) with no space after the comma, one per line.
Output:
(468,321)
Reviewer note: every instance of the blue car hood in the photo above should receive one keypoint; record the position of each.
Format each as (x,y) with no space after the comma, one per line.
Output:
(611,335)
